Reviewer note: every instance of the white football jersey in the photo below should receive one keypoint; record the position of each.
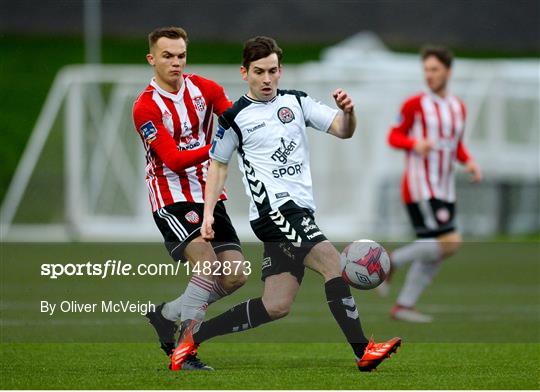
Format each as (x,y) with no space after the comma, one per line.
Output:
(272,145)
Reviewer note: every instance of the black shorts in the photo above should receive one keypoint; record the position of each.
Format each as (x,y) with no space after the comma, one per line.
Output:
(432,218)
(288,234)
(181,222)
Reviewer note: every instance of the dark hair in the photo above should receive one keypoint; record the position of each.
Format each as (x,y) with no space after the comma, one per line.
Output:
(259,47)
(444,55)
(167,32)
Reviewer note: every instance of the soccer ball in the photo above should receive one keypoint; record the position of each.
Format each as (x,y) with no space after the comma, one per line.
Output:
(364,264)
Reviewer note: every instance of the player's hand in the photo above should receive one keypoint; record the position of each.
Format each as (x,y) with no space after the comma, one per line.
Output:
(474,169)
(207,232)
(343,100)
(423,147)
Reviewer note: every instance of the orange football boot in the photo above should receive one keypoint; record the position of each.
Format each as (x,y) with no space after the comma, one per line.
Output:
(375,353)
(185,347)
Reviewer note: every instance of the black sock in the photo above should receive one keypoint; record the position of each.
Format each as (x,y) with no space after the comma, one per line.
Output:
(343,307)
(247,315)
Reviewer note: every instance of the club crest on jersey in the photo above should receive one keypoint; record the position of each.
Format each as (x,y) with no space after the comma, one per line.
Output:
(193,217)
(199,103)
(285,115)
(149,132)
(443,215)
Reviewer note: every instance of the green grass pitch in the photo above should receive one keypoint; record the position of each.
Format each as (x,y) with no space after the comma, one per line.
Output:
(486,333)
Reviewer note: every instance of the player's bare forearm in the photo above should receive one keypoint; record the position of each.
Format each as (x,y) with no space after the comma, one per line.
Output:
(344,123)
(215,181)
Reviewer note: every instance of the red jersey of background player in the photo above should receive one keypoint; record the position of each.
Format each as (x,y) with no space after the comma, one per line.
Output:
(442,121)
(183,121)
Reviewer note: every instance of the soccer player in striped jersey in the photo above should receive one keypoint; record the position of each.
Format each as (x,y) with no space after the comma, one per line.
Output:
(174,117)
(430,130)
(267,128)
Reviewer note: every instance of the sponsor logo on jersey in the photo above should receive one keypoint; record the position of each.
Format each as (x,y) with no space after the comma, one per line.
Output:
(220,132)
(311,236)
(267,262)
(281,195)
(310,227)
(443,215)
(187,127)
(285,115)
(199,103)
(259,126)
(291,170)
(283,152)
(193,217)
(149,132)
(305,221)
(188,143)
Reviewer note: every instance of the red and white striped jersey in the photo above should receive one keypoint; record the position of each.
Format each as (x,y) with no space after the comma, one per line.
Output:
(172,122)
(442,121)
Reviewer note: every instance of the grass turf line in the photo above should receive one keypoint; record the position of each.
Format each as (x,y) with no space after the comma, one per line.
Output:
(270,366)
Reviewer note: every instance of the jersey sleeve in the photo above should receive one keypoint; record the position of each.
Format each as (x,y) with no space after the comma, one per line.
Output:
(150,127)
(225,142)
(462,153)
(219,99)
(398,136)
(316,114)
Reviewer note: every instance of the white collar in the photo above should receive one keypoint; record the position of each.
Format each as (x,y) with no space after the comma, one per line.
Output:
(257,101)
(438,98)
(175,97)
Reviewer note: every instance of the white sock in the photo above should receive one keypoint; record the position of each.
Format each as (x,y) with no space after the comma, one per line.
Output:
(172,310)
(419,276)
(427,250)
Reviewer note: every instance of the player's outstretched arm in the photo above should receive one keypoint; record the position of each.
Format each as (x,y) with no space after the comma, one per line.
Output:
(344,123)
(215,181)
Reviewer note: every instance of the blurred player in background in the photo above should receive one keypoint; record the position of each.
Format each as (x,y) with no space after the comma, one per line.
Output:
(174,117)
(430,130)
(267,128)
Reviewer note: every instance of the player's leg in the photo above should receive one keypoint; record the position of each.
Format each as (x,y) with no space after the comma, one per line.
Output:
(426,226)
(224,284)
(230,279)
(324,258)
(434,223)
(229,252)
(449,243)
(279,293)
(282,275)
(179,230)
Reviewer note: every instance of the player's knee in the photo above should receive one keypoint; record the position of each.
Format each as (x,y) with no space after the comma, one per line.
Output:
(450,244)
(233,282)
(278,309)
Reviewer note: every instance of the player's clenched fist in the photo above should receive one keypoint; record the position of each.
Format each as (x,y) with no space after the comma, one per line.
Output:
(207,232)
(343,100)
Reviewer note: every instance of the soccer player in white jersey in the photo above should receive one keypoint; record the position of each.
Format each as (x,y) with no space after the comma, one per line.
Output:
(174,116)
(430,130)
(267,128)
